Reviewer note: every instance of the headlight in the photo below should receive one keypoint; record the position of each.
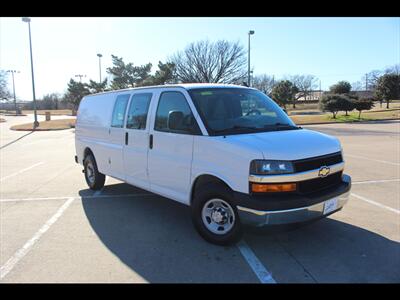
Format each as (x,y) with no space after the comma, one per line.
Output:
(270,167)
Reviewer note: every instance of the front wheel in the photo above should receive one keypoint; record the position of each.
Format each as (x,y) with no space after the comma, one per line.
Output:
(214,216)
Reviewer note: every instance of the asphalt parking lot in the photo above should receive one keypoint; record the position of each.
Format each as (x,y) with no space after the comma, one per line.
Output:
(54,229)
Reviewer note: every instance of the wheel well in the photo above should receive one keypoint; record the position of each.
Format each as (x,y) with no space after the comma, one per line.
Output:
(87,152)
(204,179)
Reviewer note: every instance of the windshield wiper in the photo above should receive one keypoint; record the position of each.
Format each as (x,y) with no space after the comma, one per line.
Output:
(237,127)
(267,127)
(281,126)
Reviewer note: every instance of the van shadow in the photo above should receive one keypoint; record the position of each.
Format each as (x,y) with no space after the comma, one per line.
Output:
(154,237)
(334,251)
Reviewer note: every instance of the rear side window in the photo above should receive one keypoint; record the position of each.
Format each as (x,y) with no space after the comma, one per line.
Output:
(118,116)
(173,108)
(137,114)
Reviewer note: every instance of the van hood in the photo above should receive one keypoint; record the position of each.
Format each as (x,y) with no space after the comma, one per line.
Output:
(288,144)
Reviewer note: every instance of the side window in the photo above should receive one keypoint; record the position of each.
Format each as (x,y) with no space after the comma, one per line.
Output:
(137,114)
(118,115)
(174,114)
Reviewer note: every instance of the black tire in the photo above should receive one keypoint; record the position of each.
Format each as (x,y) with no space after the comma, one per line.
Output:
(202,195)
(98,178)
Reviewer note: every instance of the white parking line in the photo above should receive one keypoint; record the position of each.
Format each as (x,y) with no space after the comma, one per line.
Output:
(34,199)
(80,197)
(377,160)
(258,268)
(375,181)
(23,170)
(10,264)
(376,203)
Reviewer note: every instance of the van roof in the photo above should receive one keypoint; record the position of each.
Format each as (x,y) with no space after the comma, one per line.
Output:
(187,86)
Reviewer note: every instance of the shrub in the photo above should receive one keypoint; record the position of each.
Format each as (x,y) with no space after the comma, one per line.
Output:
(283,92)
(342,87)
(388,88)
(330,102)
(345,103)
(363,104)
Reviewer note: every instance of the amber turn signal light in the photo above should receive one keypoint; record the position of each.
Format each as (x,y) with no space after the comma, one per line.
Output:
(273,188)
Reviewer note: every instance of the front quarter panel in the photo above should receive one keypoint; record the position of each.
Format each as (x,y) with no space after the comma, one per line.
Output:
(228,161)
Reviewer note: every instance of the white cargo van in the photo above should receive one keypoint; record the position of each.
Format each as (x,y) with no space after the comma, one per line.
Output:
(229,152)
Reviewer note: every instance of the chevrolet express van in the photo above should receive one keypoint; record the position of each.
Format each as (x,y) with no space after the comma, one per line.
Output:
(227,151)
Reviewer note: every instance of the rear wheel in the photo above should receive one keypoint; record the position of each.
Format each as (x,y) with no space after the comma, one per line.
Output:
(214,216)
(94,179)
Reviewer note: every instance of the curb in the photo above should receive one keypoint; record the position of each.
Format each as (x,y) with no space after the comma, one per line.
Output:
(40,129)
(352,122)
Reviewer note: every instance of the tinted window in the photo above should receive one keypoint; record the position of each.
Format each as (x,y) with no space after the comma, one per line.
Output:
(174,114)
(119,111)
(137,114)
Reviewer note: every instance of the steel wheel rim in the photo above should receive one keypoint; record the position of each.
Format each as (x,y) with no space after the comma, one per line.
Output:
(218,216)
(90,172)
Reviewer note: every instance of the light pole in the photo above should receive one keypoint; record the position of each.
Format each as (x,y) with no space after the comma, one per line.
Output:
(80,77)
(251,32)
(100,56)
(15,98)
(35,123)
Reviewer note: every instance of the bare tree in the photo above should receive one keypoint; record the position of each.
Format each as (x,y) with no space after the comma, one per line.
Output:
(264,83)
(305,84)
(4,92)
(393,69)
(219,62)
(357,86)
(370,79)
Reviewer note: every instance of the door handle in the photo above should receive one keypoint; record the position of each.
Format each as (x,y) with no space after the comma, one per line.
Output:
(126,138)
(151,141)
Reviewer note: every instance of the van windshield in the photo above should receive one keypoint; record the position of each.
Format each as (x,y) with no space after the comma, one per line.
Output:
(239,110)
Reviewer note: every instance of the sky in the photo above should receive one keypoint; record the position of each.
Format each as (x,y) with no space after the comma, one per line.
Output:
(332,49)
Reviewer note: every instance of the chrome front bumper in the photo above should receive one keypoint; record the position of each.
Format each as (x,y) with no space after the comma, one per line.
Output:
(260,218)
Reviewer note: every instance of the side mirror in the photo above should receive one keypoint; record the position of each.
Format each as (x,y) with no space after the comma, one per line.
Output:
(175,120)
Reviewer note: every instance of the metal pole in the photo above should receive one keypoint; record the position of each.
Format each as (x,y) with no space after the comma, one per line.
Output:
(36,123)
(248,64)
(100,68)
(248,70)
(100,55)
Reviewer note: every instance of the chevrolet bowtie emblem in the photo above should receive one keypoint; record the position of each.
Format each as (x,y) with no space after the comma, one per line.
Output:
(324,171)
